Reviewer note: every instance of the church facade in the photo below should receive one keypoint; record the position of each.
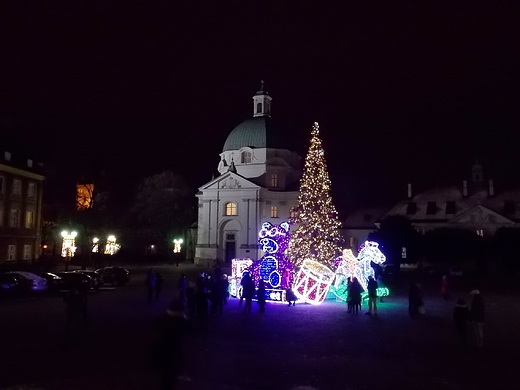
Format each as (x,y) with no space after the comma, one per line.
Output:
(258,182)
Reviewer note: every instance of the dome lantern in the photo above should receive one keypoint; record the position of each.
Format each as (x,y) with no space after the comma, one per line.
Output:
(262,102)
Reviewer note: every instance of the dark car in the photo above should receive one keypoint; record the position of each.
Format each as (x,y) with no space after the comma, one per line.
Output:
(116,276)
(54,282)
(96,279)
(72,280)
(29,282)
(9,285)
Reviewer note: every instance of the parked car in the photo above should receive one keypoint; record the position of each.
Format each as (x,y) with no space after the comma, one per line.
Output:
(28,281)
(456,271)
(72,280)
(116,276)
(96,279)
(54,282)
(9,285)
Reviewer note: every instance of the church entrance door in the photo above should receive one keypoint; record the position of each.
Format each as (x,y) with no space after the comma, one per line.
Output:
(230,251)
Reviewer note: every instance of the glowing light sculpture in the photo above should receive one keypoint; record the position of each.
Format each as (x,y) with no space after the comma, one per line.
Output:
(238,267)
(313,282)
(368,253)
(274,267)
(346,266)
(360,268)
(381,292)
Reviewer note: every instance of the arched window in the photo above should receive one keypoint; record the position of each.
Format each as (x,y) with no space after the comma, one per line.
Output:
(246,157)
(231,209)
(259,108)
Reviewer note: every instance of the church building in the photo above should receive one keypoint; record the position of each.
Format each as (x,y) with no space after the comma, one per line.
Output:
(258,182)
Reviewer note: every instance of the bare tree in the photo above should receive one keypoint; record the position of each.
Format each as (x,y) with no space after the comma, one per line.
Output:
(162,208)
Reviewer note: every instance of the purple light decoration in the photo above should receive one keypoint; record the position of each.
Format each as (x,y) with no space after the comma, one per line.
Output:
(274,267)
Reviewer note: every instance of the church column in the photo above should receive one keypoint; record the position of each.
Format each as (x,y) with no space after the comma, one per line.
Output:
(247,211)
(209,221)
(257,218)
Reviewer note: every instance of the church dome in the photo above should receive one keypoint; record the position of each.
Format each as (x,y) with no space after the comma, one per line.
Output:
(258,132)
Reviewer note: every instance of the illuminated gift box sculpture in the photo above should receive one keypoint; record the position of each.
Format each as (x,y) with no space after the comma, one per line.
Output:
(361,269)
(238,267)
(313,282)
(274,267)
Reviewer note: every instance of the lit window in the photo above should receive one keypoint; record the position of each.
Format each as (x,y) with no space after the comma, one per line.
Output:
(259,108)
(14,219)
(27,252)
(17,187)
(231,208)
(274,212)
(246,157)
(274,180)
(11,252)
(29,219)
(31,190)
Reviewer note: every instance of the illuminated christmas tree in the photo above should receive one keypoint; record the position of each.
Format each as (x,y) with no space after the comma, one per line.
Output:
(316,237)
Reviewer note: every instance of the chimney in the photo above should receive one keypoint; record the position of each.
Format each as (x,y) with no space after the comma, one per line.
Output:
(409,191)
(465,188)
(491,188)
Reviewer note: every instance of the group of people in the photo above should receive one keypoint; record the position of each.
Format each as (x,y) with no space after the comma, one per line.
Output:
(465,316)
(76,301)
(154,283)
(249,290)
(207,296)
(354,290)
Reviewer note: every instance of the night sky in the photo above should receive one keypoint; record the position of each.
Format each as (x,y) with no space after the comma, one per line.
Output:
(403,93)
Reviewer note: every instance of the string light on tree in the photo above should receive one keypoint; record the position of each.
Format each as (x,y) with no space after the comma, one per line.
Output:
(316,237)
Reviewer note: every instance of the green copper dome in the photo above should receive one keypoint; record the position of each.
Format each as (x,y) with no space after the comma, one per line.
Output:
(256,132)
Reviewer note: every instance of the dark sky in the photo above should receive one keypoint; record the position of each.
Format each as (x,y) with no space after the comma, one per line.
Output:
(403,93)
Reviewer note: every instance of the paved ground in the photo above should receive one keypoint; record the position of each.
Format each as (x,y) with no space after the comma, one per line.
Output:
(321,347)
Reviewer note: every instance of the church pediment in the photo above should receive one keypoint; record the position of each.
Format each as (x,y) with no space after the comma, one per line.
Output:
(480,214)
(229,181)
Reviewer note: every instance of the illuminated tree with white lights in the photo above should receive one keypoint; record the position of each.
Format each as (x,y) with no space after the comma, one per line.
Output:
(316,236)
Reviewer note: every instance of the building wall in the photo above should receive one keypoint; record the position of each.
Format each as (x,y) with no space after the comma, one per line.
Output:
(27,200)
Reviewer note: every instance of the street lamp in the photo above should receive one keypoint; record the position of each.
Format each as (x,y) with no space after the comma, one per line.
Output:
(68,247)
(177,245)
(95,246)
(111,247)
